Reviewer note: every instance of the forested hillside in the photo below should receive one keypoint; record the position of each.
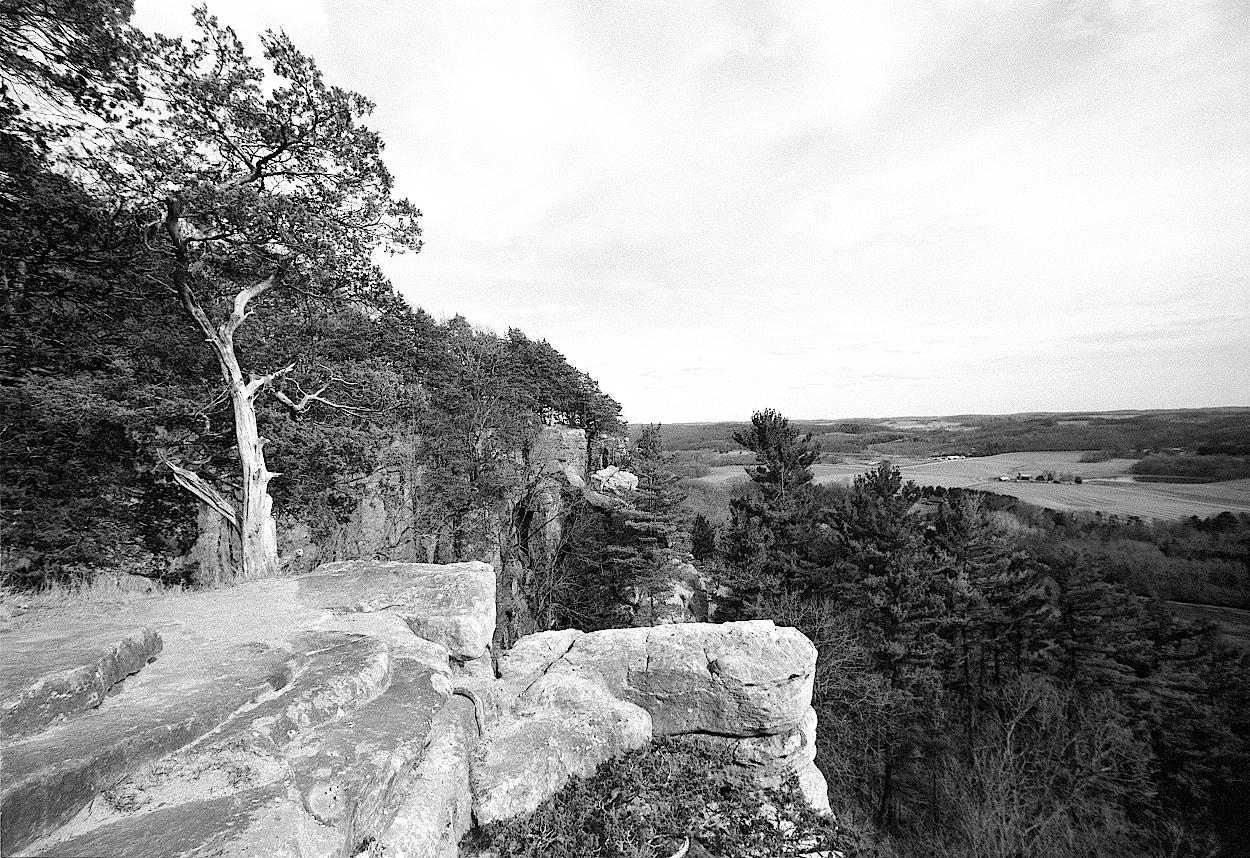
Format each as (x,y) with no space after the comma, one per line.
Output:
(995,679)
(206,376)
(1203,431)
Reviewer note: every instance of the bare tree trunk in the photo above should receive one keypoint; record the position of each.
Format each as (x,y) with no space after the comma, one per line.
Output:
(258,536)
(258,533)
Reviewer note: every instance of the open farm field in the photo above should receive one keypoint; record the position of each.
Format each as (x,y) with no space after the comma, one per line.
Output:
(955,473)
(1145,500)
(1107,487)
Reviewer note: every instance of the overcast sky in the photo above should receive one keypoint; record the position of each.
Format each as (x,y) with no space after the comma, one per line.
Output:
(860,208)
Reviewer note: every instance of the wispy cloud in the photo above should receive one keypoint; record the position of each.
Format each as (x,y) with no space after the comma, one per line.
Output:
(876,206)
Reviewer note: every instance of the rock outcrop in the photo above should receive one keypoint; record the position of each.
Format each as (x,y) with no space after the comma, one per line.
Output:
(355,708)
(613,479)
(575,697)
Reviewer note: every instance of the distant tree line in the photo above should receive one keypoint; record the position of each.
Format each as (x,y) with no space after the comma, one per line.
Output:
(1203,432)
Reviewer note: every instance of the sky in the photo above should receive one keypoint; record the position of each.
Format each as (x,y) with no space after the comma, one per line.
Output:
(836,209)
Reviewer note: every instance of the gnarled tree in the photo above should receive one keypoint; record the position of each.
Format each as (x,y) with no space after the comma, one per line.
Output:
(260,191)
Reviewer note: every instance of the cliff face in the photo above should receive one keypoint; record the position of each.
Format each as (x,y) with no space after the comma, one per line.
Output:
(355,707)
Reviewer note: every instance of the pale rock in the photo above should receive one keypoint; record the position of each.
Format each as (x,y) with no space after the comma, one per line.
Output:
(563,727)
(438,810)
(733,679)
(613,479)
(815,788)
(451,604)
(530,657)
(779,753)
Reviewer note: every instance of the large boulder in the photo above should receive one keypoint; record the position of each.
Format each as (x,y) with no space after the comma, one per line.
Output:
(563,726)
(613,479)
(577,699)
(452,604)
(733,679)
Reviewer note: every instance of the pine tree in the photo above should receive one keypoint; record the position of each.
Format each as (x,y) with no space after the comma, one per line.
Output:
(703,538)
(882,573)
(784,458)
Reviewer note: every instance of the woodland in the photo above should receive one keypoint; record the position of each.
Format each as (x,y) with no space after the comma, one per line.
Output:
(200,350)
(193,316)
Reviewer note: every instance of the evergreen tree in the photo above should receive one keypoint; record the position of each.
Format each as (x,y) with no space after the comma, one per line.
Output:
(881,572)
(784,458)
(703,538)
(768,534)
(650,534)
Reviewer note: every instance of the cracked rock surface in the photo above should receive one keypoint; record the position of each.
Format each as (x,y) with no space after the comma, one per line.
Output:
(579,698)
(355,709)
(282,717)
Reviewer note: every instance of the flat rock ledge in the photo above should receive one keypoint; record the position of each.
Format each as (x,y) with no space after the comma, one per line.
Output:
(356,710)
(310,716)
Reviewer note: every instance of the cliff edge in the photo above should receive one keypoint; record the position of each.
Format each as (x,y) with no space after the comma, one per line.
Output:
(355,709)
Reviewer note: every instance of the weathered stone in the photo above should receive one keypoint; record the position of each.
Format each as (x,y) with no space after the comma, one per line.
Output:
(560,450)
(49,777)
(748,685)
(814,787)
(438,810)
(565,727)
(613,479)
(777,753)
(261,821)
(354,772)
(380,525)
(771,759)
(532,655)
(283,717)
(43,680)
(482,668)
(734,679)
(453,605)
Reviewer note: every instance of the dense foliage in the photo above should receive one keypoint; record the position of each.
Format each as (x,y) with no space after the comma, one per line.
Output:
(1193,468)
(141,215)
(998,680)
(661,799)
(616,563)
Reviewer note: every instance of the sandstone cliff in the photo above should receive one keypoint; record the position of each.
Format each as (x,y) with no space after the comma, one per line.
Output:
(354,708)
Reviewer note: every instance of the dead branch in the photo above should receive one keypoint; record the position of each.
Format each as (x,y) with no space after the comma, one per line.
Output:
(196,485)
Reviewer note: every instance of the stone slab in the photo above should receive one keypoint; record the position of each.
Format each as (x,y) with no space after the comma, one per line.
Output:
(43,679)
(452,605)
(732,679)
(51,776)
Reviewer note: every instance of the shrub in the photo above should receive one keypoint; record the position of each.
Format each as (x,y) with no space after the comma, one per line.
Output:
(648,802)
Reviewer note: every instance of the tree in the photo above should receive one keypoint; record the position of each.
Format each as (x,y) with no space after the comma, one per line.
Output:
(769,534)
(258,192)
(702,538)
(66,55)
(784,458)
(645,537)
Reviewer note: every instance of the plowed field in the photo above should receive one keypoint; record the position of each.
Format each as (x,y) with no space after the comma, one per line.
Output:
(1106,486)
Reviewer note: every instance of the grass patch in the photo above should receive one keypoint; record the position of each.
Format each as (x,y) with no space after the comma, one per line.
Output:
(101,589)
